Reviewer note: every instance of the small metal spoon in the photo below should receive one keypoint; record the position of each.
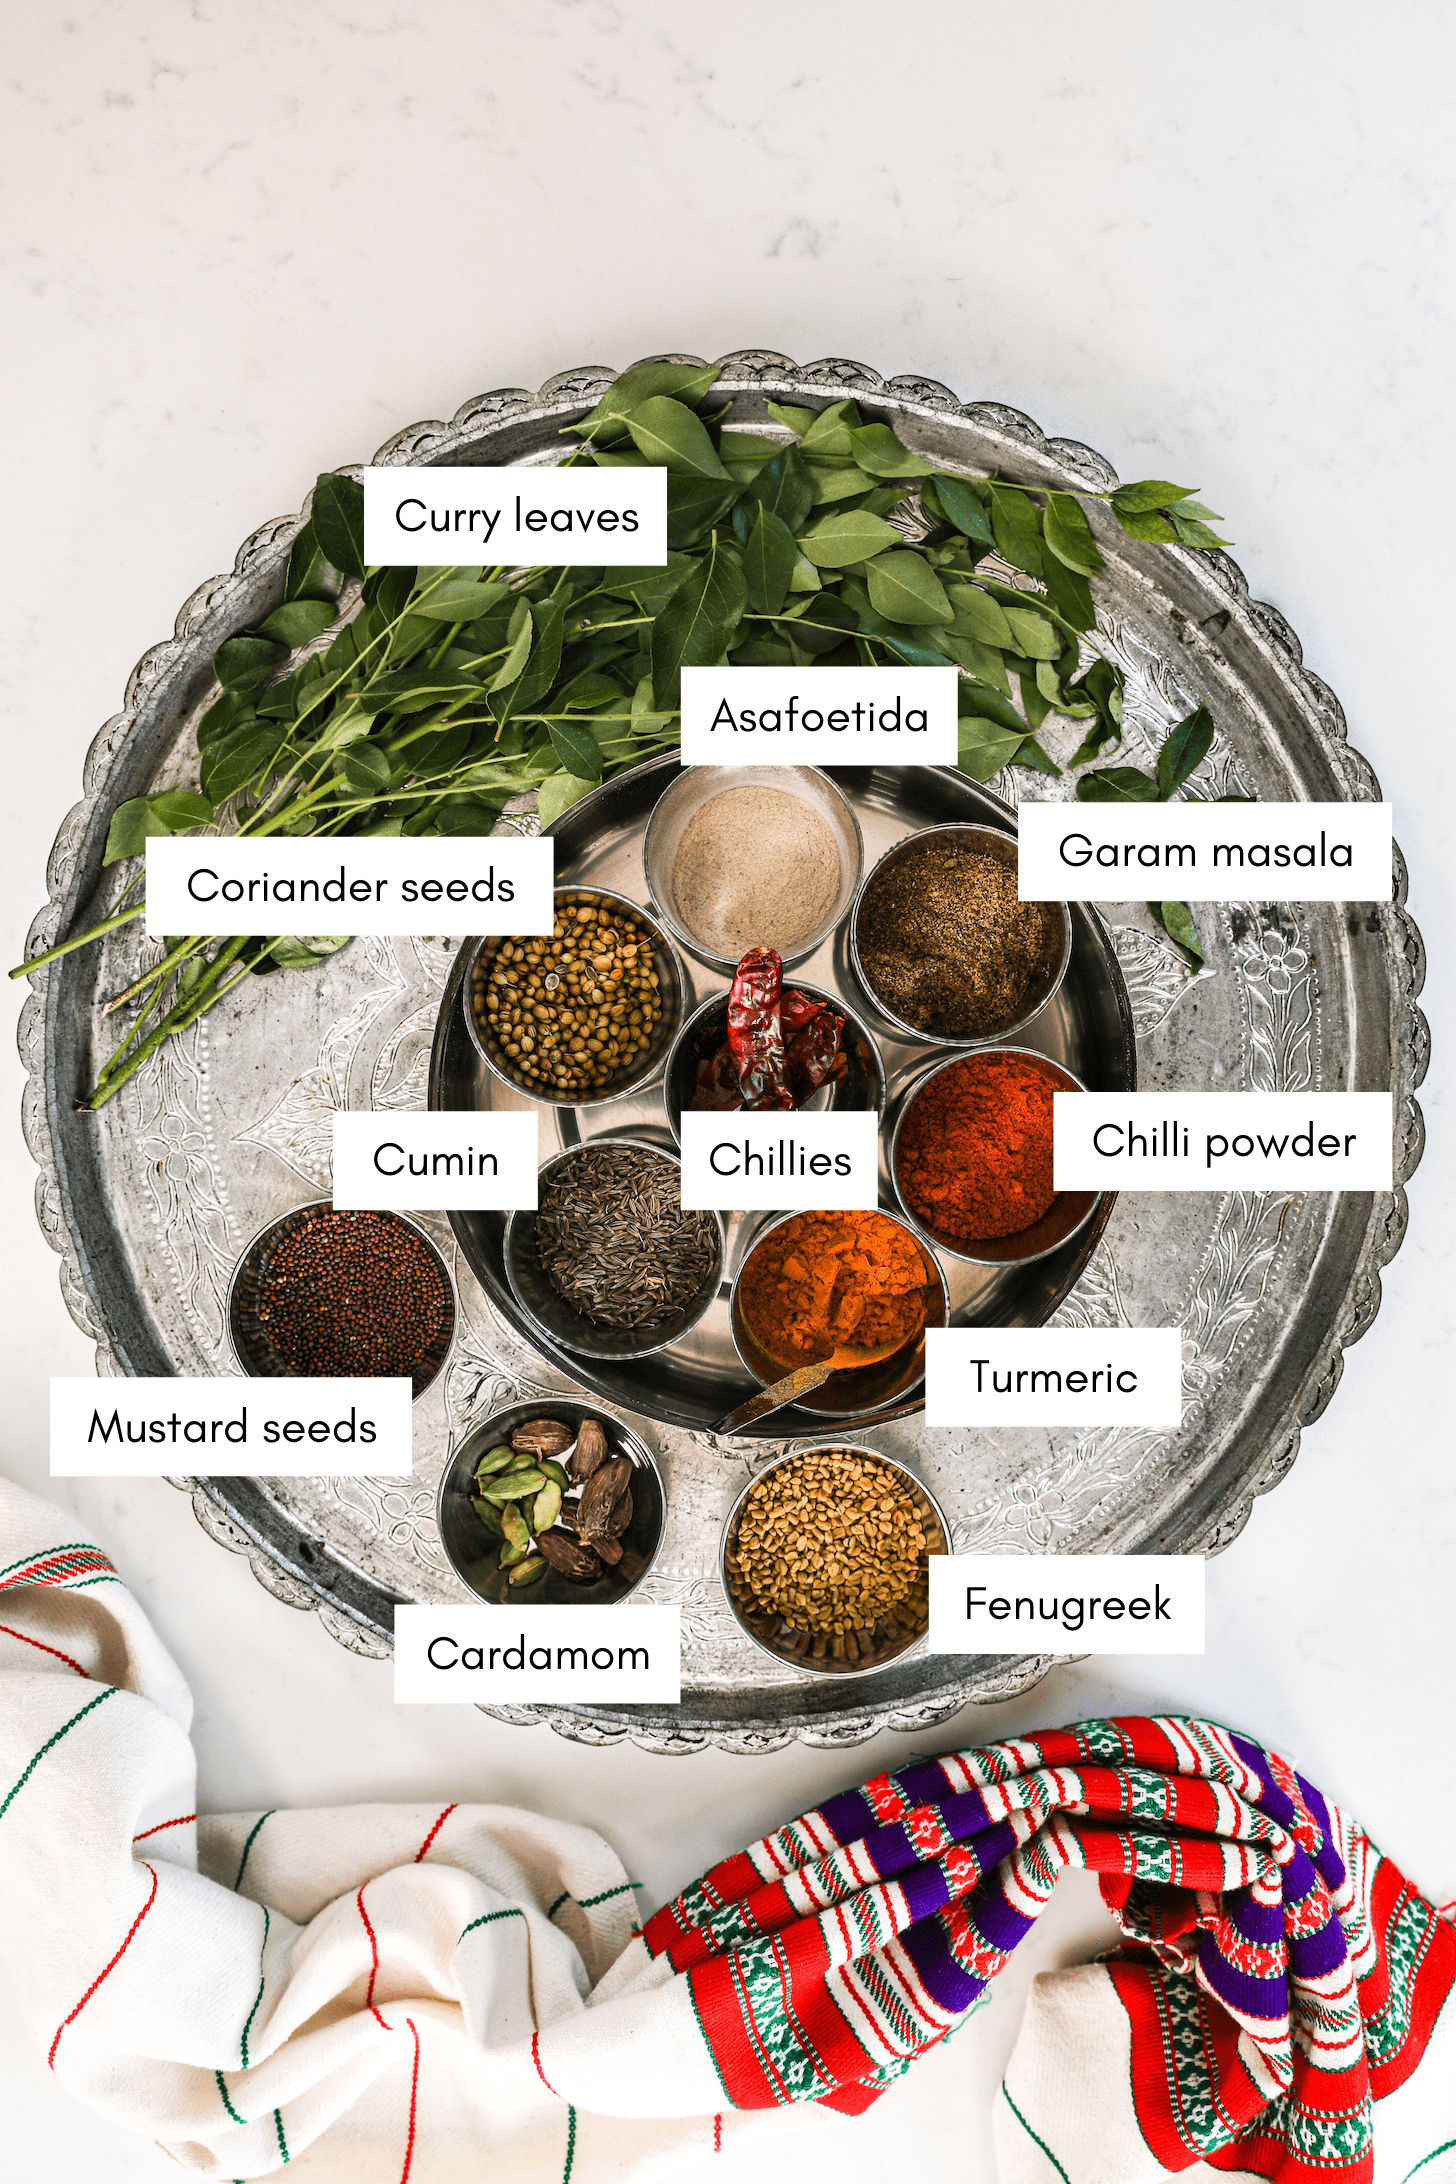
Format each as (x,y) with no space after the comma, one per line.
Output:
(805,1378)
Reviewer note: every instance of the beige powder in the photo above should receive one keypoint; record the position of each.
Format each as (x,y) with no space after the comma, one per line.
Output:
(756,868)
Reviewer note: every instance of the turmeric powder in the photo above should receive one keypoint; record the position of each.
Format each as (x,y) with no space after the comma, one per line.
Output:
(824,1279)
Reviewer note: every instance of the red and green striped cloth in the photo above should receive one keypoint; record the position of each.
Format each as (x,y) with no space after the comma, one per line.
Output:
(414,1994)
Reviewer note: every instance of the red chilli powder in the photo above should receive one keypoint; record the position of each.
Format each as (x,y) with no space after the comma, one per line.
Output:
(974,1159)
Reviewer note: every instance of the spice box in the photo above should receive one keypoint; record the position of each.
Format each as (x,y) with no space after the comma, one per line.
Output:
(151,1203)
(1086,1026)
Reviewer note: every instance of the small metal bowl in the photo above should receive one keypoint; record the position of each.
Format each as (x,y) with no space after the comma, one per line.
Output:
(248,1335)
(1068,1212)
(670,985)
(795,1648)
(698,785)
(549,1314)
(862,1085)
(1051,970)
(857,1394)
(470,1549)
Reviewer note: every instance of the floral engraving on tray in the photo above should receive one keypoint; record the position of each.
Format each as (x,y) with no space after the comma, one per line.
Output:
(168,1111)
(1156,973)
(400,1513)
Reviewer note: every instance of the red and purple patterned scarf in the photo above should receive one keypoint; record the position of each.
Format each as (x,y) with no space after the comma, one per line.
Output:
(1278,1975)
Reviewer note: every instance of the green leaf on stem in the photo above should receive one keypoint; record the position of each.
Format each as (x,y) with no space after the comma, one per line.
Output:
(233,762)
(1185,747)
(649,588)
(688,383)
(338,521)
(1117,785)
(366,768)
(904,588)
(695,504)
(981,617)
(837,542)
(577,749)
(521,634)
(791,417)
(876,450)
(1017,526)
(297,622)
(986,746)
(557,793)
(959,501)
(1176,920)
(1146,494)
(694,628)
(769,560)
(310,573)
(1155,529)
(457,602)
(1068,534)
(245,663)
(1038,638)
(668,433)
(785,487)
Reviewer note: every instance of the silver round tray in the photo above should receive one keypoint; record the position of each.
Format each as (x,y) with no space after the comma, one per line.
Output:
(150,1202)
(1087,1027)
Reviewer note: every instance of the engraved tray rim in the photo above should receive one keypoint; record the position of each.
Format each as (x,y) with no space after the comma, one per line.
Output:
(289,1564)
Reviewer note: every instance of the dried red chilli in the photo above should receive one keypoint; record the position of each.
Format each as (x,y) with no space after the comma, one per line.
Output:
(781,1046)
(755,1032)
(354,1294)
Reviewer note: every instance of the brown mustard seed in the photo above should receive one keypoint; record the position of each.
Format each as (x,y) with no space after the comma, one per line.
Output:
(570,1014)
(834,1543)
(945,943)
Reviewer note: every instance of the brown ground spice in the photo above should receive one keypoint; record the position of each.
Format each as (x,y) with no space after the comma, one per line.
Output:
(944,942)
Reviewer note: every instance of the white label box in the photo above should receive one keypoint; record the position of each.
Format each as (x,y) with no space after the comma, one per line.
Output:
(1066,1603)
(1054,1376)
(1222,1141)
(452,885)
(819,716)
(1260,852)
(447,1163)
(536,1653)
(782,1161)
(503,517)
(230,1428)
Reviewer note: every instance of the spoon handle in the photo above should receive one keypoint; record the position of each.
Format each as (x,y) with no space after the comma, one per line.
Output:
(802,1381)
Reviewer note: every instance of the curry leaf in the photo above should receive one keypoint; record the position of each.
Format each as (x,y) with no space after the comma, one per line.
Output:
(695,626)
(876,450)
(577,750)
(297,622)
(836,542)
(986,746)
(769,560)
(695,504)
(1067,533)
(959,502)
(668,433)
(904,588)
(1117,785)
(1176,920)
(785,487)
(337,515)
(1017,528)
(1148,494)
(1154,528)
(245,663)
(1185,747)
(557,793)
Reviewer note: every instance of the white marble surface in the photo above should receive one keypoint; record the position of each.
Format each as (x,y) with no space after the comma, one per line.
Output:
(244,245)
